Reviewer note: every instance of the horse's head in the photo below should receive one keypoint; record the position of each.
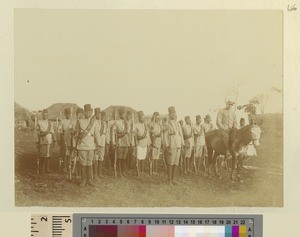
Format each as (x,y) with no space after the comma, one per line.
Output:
(255,132)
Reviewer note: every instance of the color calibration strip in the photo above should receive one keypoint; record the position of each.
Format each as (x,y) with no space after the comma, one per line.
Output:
(146,225)
(132,225)
(166,231)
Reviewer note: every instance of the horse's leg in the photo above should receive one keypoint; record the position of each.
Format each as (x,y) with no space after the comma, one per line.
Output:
(239,165)
(233,160)
(215,164)
(209,161)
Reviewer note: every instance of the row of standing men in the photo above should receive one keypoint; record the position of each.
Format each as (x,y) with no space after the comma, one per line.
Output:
(86,140)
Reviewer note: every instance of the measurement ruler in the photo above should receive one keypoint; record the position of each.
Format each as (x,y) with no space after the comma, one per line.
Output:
(51,225)
(119,225)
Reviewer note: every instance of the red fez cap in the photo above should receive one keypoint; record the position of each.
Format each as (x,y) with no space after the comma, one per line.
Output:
(121,110)
(187,117)
(140,113)
(171,110)
(97,111)
(79,110)
(198,117)
(87,107)
(45,111)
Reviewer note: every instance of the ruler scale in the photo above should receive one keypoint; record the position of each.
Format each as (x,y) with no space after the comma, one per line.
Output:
(50,225)
(137,225)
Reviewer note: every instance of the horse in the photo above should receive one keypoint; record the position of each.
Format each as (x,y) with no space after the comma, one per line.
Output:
(238,140)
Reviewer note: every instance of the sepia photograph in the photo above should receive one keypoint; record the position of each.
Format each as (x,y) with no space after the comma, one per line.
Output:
(148,108)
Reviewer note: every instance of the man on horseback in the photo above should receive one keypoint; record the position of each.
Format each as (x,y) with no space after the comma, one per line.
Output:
(226,121)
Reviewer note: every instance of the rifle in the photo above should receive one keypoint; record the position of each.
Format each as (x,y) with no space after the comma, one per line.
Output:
(61,140)
(70,161)
(38,145)
(115,151)
(181,160)
(150,155)
(193,150)
(163,156)
(134,146)
(194,160)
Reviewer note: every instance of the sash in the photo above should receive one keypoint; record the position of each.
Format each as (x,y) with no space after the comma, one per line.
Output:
(197,135)
(86,131)
(102,128)
(189,136)
(70,128)
(160,132)
(143,136)
(174,133)
(123,133)
(43,134)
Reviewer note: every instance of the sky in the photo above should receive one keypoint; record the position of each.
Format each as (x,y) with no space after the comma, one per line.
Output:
(148,60)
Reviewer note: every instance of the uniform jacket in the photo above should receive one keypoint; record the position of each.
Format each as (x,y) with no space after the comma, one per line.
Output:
(208,127)
(141,130)
(156,133)
(226,119)
(88,142)
(187,130)
(120,127)
(67,130)
(102,133)
(173,135)
(42,126)
(199,135)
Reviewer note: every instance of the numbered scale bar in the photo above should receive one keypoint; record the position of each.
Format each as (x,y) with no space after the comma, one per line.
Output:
(130,225)
(51,225)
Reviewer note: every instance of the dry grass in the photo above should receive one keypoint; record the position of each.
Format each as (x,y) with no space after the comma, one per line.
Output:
(262,187)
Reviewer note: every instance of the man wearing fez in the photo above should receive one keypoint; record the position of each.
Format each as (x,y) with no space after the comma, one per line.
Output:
(66,137)
(102,141)
(208,126)
(199,138)
(86,131)
(173,142)
(188,136)
(99,151)
(226,120)
(141,137)
(121,141)
(130,121)
(45,141)
(106,162)
(75,156)
(156,131)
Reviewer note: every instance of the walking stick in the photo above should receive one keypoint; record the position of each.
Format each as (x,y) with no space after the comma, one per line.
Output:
(38,145)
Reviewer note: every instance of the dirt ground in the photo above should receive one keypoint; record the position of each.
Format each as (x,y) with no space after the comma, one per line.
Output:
(262,186)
